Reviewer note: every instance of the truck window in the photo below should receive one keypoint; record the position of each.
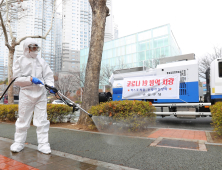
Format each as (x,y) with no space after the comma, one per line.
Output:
(220,69)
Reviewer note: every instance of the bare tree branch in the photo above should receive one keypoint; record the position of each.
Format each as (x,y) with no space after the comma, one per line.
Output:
(78,76)
(5,32)
(8,22)
(204,62)
(38,36)
(105,74)
(1,3)
(65,84)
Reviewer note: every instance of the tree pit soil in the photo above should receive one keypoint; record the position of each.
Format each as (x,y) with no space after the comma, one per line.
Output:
(215,137)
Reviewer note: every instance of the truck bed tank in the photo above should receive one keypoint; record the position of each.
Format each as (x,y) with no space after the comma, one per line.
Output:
(189,81)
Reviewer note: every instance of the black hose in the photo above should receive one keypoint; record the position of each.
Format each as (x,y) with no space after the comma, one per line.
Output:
(8,88)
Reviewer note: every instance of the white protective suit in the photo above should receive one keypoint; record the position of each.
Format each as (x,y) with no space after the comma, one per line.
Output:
(32,98)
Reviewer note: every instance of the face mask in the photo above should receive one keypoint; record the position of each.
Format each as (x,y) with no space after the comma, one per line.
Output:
(33,54)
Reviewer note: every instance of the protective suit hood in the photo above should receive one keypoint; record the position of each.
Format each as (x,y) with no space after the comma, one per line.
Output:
(26,52)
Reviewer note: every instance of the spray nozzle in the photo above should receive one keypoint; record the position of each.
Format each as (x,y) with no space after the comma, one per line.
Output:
(90,115)
(51,88)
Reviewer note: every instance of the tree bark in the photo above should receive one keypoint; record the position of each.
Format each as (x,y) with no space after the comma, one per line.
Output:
(91,87)
(10,72)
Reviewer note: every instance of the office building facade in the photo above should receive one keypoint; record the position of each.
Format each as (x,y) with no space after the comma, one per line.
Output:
(132,50)
(136,49)
(77,23)
(58,43)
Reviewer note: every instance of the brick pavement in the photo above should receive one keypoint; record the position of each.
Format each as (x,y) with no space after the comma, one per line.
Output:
(180,134)
(10,164)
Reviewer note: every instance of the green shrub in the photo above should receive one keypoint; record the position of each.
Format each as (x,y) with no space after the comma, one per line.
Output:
(3,112)
(216,112)
(78,102)
(56,112)
(127,114)
(7,112)
(11,112)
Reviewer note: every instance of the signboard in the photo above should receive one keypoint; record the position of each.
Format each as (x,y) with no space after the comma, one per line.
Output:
(152,87)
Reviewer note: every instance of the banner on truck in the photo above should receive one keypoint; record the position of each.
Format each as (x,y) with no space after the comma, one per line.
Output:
(152,87)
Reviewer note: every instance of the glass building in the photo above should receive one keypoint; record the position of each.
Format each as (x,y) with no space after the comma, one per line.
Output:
(134,49)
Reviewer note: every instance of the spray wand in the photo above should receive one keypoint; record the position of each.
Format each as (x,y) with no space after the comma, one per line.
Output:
(62,97)
(56,92)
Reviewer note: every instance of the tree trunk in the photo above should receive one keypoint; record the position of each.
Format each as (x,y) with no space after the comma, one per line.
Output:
(91,87)
(10,76)
(10,72)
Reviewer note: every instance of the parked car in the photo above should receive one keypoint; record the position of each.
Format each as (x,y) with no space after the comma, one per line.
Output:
(16,99)
(58,102)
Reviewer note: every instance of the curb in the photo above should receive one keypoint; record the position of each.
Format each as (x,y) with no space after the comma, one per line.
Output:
(217,144)
(209,138)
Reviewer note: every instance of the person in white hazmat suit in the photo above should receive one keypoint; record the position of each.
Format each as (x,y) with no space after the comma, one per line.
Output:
(32,71)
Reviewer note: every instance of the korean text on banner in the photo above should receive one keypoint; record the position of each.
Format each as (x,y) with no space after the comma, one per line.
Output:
(152,87)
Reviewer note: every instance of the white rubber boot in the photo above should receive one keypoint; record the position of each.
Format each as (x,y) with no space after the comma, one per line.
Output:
(17,147)
(44,148)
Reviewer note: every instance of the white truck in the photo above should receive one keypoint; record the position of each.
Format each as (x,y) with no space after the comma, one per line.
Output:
(191,102)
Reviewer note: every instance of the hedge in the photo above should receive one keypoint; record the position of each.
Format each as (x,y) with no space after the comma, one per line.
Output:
(127,114)
(8,112)
(216,112)
(56,112)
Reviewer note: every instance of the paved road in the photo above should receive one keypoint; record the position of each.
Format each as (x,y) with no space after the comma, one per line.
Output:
(126,151)
(203,123)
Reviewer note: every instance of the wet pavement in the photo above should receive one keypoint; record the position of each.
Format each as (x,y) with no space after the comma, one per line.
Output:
(32,159)
(106,151)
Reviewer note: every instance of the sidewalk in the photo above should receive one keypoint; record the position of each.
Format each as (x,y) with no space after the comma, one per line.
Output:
(30,158)
(163,149)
